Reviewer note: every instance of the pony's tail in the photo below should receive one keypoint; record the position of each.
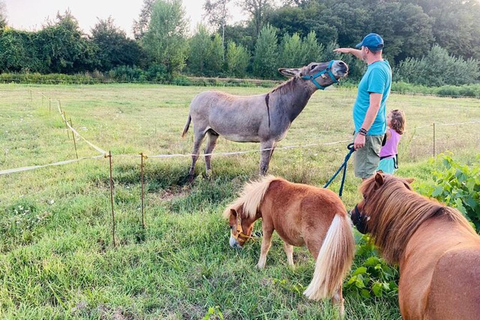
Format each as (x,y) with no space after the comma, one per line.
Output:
(185,129)
(334,260)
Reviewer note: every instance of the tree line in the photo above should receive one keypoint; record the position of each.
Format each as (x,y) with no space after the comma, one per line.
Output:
(430,42)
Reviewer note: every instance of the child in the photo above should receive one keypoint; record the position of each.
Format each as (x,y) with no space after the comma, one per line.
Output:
(388,154)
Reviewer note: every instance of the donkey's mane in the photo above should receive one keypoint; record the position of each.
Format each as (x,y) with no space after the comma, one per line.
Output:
(285,86)
(251,197)
(396,212)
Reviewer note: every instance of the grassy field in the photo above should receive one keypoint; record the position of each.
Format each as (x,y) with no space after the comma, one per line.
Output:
(57,259)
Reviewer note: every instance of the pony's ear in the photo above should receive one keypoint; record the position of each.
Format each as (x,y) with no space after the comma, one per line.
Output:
(379,179)
(229,212)
(289,72)
(410,180)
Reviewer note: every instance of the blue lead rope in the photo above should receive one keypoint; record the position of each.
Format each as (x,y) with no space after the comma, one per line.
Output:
(344,167)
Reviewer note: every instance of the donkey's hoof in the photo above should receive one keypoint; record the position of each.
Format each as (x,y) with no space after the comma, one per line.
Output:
(209,174)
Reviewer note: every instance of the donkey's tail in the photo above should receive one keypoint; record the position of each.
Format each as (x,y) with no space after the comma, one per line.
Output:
(334,260)
(185,129)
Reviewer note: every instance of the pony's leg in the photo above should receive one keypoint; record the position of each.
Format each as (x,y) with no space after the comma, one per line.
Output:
(211,143)
(338,300)
(289,251)
(266,155)
(266,244)
(199,135)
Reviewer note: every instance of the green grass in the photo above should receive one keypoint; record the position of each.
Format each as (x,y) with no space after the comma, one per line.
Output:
(56,252)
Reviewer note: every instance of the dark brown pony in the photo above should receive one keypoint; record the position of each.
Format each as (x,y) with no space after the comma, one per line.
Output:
(437,250)
(301,215)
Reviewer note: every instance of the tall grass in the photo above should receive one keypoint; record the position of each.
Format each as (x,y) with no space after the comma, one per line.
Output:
(56,253)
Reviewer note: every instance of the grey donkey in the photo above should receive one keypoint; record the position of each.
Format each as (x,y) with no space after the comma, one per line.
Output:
(263,118)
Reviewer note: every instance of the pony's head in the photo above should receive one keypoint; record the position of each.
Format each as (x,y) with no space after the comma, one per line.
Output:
(245,210)
(373,191)
(321,74)
(241,226)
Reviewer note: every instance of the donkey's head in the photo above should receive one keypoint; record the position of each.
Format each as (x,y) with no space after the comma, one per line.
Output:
(321,74)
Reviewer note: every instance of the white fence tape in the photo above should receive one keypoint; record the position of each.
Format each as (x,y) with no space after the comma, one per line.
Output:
(8,171)
(103,152)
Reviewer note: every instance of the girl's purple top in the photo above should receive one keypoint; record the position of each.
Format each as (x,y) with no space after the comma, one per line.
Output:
(390,149)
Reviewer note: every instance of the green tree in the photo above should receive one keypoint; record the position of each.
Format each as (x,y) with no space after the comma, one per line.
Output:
(216,12)
(406,29)
(265,61)
(18,52)
(291,51)
(216,52)
(3,15)
(258,10)
(64,48)
(140,26)
(311,49)
(114,48)
(438,68)
(165,40)
(199,46)
(237,59)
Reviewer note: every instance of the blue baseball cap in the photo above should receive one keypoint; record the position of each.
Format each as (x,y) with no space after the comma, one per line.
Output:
(372,41)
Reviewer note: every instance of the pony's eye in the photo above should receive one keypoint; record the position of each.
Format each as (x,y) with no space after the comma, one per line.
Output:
(231,227)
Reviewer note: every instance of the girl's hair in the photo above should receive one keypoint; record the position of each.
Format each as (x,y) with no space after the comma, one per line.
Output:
(398,121)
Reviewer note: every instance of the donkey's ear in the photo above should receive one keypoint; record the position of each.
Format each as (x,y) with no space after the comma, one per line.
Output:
(289,72)
(410,180)
(379,179)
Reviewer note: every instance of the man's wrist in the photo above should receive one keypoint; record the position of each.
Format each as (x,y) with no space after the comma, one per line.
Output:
(362,132)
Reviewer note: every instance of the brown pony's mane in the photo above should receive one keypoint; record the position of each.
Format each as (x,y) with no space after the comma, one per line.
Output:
(251,197)
(396,212)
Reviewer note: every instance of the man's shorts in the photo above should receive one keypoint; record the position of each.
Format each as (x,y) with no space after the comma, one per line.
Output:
(368,157)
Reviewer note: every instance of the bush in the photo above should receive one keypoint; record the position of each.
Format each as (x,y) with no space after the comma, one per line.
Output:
(372,277)
(458,186)
(438,68)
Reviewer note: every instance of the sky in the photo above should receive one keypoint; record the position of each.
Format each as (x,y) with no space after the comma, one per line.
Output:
(33,14)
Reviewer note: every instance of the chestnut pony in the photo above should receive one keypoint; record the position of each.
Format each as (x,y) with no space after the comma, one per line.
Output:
(437,250)
(301,215)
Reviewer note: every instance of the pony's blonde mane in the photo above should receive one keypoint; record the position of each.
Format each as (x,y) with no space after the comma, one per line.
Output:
(251,197)
(396,212)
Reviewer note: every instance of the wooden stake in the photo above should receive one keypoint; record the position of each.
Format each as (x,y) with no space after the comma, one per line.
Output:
(142,166)
(111,198)
(74,141)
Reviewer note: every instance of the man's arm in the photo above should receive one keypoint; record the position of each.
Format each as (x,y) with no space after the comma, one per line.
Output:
(375,99)
(357,53)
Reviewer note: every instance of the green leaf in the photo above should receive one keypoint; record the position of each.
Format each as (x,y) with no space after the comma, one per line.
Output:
(360,270)
(438,191)
(364,293)
(377,289)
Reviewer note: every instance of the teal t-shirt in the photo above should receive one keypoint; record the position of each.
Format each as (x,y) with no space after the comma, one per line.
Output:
(377,79)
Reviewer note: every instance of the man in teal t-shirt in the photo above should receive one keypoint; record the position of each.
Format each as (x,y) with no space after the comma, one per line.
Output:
(369,110)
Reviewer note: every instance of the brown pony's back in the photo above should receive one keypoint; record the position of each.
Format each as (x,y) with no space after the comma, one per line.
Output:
(437,250)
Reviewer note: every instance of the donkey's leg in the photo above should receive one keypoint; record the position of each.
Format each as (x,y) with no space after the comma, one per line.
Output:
(198,139)
(212,137)
(266,244)
(289,251)
(266,155)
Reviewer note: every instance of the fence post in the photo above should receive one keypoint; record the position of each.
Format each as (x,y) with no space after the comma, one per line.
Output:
(109,156)
(142,165)
(66,125)
(74,141)
(434,142)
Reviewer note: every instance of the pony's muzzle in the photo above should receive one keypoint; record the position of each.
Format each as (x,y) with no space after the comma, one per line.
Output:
(234,243)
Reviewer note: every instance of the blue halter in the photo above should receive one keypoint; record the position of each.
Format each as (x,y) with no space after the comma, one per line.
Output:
(327,70)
